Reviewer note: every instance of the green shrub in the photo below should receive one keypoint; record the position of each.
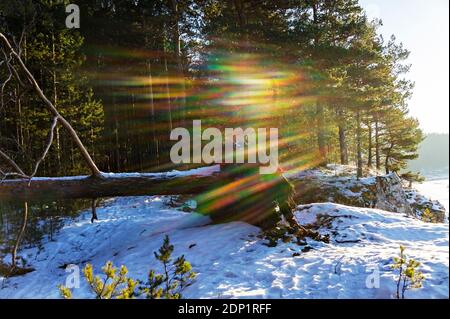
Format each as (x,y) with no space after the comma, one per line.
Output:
(115,284)
(176,276)
(428,216)
(409,277)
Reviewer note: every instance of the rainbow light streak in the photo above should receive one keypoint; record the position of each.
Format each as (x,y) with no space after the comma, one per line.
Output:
(232,90)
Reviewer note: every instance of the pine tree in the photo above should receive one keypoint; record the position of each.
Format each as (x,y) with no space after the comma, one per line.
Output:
(114,285)
(409,277)
(177,275)
(401,140)
(53,53)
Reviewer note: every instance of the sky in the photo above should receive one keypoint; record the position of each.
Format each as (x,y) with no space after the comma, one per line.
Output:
(423,27)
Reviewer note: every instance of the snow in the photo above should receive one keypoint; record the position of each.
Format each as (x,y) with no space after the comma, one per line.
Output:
(343,176)
(201,171)
(233,262)
(436,189)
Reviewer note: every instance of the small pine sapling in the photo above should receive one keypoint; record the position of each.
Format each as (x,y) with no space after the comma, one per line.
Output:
(65,292)
(428,216)
(409,277)
(183,273)
(411,178)
(177,275)
(153,290)
(114,285)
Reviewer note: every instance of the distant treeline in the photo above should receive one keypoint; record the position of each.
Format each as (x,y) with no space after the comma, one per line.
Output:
(316,69)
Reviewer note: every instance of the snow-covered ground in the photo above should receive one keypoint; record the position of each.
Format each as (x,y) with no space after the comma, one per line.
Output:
(232,262)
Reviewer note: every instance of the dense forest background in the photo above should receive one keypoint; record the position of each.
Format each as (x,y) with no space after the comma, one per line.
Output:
(316,69)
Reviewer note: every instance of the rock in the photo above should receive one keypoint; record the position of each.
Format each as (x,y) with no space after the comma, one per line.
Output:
(306,249)
(385,192)
(420,204)
(390,195)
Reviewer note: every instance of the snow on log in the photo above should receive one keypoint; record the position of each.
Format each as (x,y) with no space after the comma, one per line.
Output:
(111,184)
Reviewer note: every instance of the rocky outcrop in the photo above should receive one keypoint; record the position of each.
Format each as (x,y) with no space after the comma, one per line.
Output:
(424,208)
(385,192)
(390,195)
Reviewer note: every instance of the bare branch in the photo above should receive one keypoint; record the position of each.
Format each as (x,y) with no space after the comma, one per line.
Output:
(16,75)
(12,72)
(6,175)
(47,148)
(11,163)
(52,109)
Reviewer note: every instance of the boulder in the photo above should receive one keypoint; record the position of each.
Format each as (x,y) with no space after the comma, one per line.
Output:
(385,192)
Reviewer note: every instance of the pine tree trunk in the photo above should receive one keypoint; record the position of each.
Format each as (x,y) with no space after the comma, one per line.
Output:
(321,139)
(116,137)
(358,145)
(343,148)
(167,183)
(55,103)
(377,145)
(169,102)
(181,102)
(137,133)
(152,114)
(369,145)
(388,157)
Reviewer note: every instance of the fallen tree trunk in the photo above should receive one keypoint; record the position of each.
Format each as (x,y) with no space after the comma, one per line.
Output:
(236,193)
(107,185)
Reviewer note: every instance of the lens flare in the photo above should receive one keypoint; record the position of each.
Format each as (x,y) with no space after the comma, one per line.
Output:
(257,90)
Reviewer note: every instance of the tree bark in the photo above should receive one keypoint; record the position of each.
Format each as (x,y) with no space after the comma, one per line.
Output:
(152,114)
(377,145)
(180,72)
(358,145)
(129,184)
(55,102)
(370,145)
(343,148)
(388,157)
(321,139)
(169,102)
(11,163)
